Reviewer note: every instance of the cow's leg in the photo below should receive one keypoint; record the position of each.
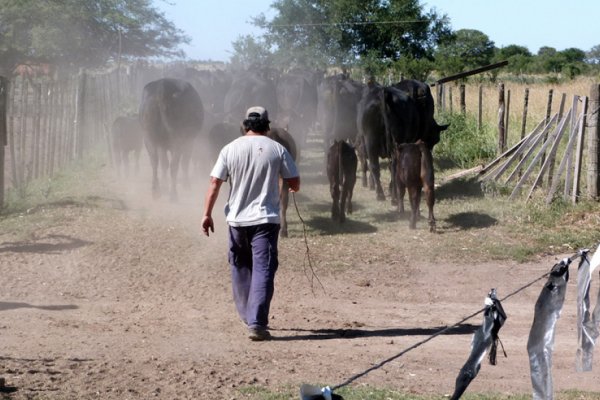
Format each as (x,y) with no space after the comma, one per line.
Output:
(375,172)
(349,183)
(392,188)
(284,200)
(362,156)
(401,191)
(126,162)
(164,162)
(117,154)
(343,198)
(174,166)
(415,198)
(334,189)
(428,179)
(153,155)
(430,198)
(186,158)
(137,162)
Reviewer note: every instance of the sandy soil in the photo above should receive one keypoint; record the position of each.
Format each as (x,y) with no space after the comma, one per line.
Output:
(120,297)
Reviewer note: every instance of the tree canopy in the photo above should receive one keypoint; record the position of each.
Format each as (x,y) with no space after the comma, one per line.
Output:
(84,33)
(346,32)
(389,35)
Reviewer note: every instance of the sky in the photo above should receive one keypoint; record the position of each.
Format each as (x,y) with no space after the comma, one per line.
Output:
(214,24)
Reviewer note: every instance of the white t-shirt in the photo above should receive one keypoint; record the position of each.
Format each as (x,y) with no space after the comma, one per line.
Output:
(253,165)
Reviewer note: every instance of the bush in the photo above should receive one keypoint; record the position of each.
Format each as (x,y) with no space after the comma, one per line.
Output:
(463,143)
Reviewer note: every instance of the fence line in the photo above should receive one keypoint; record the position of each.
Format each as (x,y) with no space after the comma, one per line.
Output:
(587,145)
(46,125)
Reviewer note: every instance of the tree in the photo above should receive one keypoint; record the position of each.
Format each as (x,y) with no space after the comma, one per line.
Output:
(468,49)
(342,32)
(519,58)
(249,51)
(84,33)
(569,62)
(593,55)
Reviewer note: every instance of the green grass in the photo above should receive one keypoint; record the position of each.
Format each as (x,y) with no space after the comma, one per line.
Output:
(370,393)
(40,202)
(463,143)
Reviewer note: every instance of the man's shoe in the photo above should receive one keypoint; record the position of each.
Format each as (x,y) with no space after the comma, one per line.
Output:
(259,334)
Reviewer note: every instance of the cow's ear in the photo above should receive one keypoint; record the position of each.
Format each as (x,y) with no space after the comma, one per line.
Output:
(444,127)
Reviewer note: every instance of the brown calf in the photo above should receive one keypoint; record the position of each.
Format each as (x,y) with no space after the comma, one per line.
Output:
(341,172)
(413,170)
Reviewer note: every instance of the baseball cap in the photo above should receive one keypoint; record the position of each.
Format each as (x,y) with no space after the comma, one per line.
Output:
(257,113)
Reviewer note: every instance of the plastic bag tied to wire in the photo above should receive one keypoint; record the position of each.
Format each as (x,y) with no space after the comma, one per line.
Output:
(486,337)
(587,323)
(310,392)
(541,337)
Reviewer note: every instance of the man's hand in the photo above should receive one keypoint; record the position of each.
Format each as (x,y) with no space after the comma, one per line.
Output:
(294,184)
(207,223)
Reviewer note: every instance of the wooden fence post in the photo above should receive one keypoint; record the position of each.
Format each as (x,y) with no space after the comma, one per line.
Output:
(79,118)
(579,154)
(37,126)
(525,107)
(593,123)
(501,110)
(480,111)
(506,122)
(440,96)
(3,132)
(463,105)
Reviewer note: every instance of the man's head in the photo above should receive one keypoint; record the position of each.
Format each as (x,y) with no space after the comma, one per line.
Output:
(257,120)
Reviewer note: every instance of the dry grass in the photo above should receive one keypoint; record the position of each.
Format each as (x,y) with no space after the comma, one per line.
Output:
(537,106)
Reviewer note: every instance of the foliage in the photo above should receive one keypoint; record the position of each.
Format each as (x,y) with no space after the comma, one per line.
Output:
(397,36)
(319,33)
(249,51)
(413,68)
(463,143)
(593,55)
(519,58)
(83,33)
(468,49)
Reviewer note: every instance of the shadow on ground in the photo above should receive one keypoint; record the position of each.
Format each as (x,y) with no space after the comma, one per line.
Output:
(51,244)
(470,220)
(324,334)
(459,188)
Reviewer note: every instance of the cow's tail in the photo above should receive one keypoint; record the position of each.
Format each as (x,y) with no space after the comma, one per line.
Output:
(385,117)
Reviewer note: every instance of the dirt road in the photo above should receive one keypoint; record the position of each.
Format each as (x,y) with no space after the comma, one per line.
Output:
(118,296)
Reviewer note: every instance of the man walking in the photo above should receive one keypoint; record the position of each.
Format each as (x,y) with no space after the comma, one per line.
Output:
(253,164)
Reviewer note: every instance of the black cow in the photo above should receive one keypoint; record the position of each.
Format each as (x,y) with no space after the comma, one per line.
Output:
(341,172)
(297,103)
(127,137)
(284,138)
(171,114)
(338,98)
(249,88)
(413,170)
(389,115)
(429,130)
(221,134)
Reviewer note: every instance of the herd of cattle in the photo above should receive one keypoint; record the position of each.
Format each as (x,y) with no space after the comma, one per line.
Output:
(184,121)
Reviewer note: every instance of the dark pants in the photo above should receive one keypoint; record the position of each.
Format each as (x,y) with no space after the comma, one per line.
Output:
(253,260)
